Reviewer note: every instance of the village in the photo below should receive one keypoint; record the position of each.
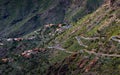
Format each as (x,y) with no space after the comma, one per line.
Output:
(25,54)
(58,29)
(83,64)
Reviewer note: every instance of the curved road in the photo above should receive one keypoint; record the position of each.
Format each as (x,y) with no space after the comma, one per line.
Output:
(97,54)
(61,49)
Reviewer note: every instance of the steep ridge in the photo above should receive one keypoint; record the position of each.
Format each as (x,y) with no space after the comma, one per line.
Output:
(18,18)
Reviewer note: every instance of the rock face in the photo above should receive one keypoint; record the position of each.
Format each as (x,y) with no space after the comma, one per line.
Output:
(18,18)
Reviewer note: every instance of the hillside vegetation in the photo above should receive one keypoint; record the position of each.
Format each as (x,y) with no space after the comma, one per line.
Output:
(60,37)
(95,31)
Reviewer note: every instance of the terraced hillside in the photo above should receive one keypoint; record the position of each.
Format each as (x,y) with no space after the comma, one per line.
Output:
(69,43)
(93,42)
(18,18)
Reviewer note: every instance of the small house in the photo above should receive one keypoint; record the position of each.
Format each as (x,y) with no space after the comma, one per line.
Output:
(9,39)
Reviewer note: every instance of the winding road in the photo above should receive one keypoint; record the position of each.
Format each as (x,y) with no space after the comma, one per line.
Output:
(85,50)
(101,54)
(80,42)
(61,49)
(97,54)
(88,38)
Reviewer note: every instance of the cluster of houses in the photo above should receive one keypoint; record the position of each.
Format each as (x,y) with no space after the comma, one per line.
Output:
(61,27)
(57,25)
(49,25)
(64,26)
(14,39)
(28,53)
(19,39)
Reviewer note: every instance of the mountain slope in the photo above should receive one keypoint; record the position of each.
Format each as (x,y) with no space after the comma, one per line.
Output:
(18,18)
(89,45)
(92,43)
